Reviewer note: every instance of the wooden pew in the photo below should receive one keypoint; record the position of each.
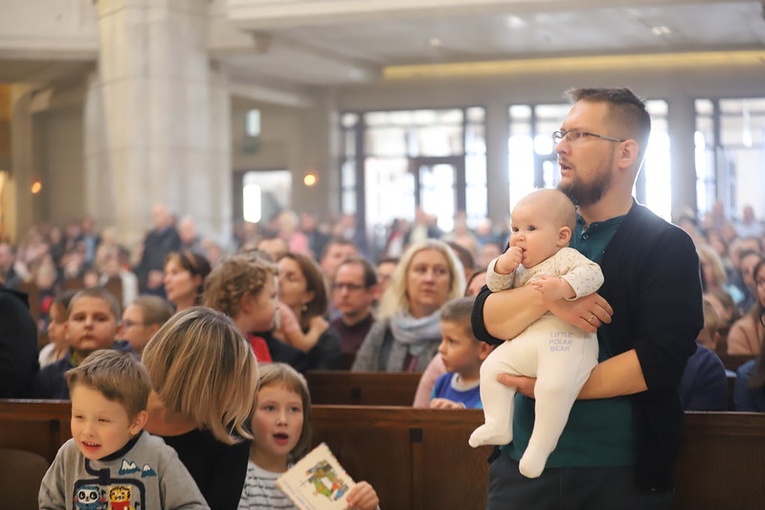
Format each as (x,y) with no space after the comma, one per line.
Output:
(39,426)
(338,387)
(722,464)
(416,459)
(732,362)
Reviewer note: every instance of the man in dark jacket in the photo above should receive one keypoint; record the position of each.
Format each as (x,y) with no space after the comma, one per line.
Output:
(18,344)
(624,432)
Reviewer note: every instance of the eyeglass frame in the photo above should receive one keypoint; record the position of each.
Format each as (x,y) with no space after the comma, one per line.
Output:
(351,287)
(560,134)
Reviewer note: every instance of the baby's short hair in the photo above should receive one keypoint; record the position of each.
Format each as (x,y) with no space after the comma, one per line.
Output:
(117,375)
(459,310)
(98,293)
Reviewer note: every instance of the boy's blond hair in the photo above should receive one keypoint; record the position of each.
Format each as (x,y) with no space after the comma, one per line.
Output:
(98,293)
(233,278)
(459,311)
(201,367)
(285,375)
(116,375)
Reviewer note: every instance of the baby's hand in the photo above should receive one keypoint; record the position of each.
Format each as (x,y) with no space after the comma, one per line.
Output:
(553,288)
(445,403)
(362,497)
(509,261)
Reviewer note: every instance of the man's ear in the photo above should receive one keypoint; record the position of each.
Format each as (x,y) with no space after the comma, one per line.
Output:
(630,154)
(564,236)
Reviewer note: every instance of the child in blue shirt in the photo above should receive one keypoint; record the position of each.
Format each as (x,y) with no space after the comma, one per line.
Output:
(462,354)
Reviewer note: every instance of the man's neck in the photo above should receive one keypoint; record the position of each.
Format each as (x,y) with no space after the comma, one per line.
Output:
(605,209)
(353,319)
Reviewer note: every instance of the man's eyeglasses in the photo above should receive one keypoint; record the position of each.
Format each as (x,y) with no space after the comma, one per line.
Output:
(575,135)
(129,324)
(352,287)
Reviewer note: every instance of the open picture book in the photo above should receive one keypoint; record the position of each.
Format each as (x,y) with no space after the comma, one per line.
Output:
(317,481)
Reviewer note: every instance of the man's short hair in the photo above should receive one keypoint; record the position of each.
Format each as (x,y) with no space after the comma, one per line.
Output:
(370,275)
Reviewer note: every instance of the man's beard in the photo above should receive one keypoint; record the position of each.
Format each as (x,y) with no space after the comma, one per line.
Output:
(585,194)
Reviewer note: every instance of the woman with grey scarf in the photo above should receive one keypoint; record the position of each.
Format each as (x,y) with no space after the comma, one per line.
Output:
(407,332)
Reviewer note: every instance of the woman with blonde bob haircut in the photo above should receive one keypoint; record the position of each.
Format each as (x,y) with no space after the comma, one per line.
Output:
(407,333)
(203,374)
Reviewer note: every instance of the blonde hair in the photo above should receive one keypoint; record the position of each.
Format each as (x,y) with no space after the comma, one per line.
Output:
(291,380)
(395,299)
(202,368)
(708,255)
(233,278)
(116,375)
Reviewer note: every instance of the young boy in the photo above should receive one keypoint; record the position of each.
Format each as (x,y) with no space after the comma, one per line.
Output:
(559,355)
(92,325)
(110,462)
(462,354)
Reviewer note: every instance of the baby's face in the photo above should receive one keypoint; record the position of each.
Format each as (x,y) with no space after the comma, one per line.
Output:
(534,232)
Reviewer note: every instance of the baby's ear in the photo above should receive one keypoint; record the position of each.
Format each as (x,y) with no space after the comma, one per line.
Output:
(564,236)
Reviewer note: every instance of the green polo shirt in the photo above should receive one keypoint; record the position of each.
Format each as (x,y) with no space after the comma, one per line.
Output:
(598,432)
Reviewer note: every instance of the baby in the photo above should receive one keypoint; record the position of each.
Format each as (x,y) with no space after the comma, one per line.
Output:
(559,355)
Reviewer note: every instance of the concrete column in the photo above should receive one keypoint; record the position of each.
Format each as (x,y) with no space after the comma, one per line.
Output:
(157,119)
(682,125)
(17,208)
(497,133)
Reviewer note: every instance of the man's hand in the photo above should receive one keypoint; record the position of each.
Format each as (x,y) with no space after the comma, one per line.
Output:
(509,261)
(524,385)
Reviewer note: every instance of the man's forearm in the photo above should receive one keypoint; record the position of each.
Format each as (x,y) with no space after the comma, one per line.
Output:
(508,313)
(617,376)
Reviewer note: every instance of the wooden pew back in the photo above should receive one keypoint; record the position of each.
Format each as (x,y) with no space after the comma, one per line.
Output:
(418,459)
(338,387)
(415,458)
(39,426)
(722,461)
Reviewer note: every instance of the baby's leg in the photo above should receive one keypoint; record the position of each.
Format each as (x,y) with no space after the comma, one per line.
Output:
(563,370)
(496,398)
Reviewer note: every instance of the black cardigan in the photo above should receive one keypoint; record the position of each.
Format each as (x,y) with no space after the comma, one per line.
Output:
(653,283)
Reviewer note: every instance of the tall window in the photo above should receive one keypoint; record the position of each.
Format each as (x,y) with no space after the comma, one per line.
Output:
(395,162)
(730,154)
(532,162)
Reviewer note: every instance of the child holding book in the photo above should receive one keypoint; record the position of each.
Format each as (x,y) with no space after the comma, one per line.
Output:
(462,355)
(110,460)
(559,355)
(281,429)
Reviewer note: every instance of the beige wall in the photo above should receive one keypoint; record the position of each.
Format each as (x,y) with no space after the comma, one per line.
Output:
(304,139)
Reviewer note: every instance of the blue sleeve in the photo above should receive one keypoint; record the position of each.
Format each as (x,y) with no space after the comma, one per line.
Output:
(743,398)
